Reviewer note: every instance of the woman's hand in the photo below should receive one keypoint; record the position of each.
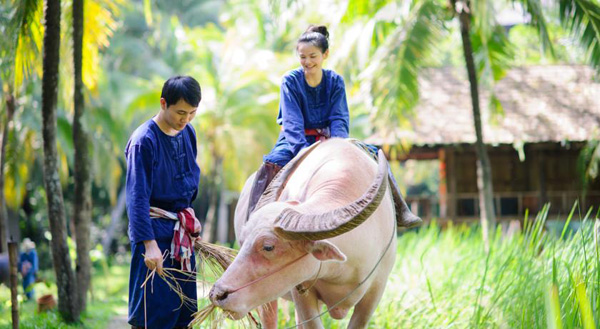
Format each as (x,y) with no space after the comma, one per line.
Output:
(153,256)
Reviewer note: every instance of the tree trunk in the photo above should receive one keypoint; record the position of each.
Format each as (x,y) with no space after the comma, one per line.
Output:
(115,217)
(484,171)
(10,111)
(65,278)
(208,231)
(82,209)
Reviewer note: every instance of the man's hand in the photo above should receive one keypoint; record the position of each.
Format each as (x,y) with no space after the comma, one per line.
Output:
(153,256)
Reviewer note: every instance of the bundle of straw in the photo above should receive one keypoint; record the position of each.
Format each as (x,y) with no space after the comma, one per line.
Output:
(214,257)
(213,261)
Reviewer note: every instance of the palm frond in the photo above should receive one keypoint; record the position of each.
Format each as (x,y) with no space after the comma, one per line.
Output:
(360,8)
(493,53)
(392,78)
(534,9)
(582,19)
(100,24)
(26,33)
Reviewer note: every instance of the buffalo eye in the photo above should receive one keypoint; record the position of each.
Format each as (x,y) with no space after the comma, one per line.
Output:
(268,248)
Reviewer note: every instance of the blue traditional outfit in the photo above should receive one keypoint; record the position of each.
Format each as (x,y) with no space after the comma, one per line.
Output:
(161,172)
(307,113)
(29,259)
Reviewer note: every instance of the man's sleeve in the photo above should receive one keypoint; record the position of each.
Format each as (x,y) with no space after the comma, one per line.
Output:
(138,189)
(35,265)
(339,117)
(293,120)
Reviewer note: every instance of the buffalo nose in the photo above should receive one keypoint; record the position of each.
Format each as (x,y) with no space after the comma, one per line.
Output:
(218,294)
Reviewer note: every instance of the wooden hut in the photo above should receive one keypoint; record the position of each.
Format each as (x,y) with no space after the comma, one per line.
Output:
(548,115)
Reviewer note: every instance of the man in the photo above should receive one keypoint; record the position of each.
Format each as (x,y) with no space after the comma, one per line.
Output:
(162,181)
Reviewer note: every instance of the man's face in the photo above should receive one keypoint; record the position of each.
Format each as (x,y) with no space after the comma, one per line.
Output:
(177,115)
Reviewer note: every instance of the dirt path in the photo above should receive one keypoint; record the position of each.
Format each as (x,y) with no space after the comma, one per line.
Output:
(118,322)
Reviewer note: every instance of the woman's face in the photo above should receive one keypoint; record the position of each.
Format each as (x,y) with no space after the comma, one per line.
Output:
(311,57)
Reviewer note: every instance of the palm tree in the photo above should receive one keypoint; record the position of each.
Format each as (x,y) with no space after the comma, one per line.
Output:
(65,278)
(82,208)
(484,168)
(19,48)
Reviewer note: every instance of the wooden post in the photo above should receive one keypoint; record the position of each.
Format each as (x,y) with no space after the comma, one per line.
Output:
(443,188)
(12,256)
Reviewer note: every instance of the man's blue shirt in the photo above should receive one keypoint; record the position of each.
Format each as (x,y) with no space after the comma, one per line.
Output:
(160,173)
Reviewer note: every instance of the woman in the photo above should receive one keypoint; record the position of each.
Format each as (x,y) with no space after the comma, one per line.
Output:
(312,107)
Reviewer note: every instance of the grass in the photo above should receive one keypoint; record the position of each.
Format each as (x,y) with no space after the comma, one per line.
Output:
(109,299)
(538,278)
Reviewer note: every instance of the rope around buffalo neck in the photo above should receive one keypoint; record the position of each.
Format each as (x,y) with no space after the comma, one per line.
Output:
(358,286)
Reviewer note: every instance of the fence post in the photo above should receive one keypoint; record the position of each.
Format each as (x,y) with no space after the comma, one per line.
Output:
(12,256)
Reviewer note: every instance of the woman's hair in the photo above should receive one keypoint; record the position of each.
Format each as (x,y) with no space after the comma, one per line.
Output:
(317,35)
(181,87)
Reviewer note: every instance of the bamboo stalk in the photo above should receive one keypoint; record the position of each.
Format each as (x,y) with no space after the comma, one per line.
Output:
(12,254)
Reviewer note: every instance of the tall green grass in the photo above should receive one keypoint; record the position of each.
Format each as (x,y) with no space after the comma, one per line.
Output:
(536,278)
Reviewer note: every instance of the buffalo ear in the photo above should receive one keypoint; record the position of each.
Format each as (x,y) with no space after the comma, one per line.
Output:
(325,251)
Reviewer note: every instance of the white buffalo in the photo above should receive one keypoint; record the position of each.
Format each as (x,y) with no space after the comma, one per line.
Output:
(323,233)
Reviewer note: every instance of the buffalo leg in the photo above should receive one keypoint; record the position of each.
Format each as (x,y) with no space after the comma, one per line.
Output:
(307,307)
(364,310)
(268,315)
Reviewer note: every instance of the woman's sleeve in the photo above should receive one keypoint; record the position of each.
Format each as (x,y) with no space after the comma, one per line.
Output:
(292,118)
(339,119)
(138,189)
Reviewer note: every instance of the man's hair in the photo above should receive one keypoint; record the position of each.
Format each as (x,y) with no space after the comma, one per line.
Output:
(181,87)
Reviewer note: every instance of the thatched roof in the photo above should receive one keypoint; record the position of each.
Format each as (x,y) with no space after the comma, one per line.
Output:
(540,103)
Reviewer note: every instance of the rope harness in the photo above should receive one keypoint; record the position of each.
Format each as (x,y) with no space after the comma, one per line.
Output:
(266,275)
(387,247)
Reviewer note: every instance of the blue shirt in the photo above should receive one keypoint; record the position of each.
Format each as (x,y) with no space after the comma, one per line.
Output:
(161,172)
(31,257)
(304,107)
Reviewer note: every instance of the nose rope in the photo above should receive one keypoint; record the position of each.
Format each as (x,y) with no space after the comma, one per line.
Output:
(267,275)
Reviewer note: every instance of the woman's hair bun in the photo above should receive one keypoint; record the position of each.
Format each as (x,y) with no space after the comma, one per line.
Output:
(318,28)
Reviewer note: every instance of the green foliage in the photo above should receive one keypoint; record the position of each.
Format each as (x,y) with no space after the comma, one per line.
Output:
(588,162)
(582,18)
(109,300)
(387,54)
(538,20)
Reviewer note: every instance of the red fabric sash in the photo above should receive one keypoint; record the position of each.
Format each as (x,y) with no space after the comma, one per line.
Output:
(186,231)
(320,134)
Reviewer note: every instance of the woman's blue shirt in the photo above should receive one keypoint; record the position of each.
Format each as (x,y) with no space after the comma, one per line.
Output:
(304,107)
